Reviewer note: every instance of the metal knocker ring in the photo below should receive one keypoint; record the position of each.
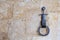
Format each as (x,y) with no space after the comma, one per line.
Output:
(47,31)
(43,23)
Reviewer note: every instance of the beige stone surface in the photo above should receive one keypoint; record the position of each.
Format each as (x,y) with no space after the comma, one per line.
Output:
(20,20)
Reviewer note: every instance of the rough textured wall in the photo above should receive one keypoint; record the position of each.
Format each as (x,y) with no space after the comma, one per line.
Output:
(19,19)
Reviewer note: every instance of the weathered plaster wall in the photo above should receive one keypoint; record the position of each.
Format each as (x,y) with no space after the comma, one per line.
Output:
(19,19)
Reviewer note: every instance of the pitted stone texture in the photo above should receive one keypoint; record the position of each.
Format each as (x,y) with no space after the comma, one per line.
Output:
(17,30)
(6,9)
(4,26)
(4,30)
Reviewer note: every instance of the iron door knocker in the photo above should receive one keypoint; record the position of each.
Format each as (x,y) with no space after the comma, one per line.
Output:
(43,23)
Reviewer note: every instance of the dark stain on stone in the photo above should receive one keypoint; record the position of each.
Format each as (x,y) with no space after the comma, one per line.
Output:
(4,36)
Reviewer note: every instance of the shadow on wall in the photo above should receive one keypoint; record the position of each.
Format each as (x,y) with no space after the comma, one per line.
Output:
(3,36)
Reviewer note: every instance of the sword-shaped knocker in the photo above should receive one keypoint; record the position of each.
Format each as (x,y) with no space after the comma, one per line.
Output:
(43,28)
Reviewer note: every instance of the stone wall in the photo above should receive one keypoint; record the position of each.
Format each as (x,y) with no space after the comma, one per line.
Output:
(19,19)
